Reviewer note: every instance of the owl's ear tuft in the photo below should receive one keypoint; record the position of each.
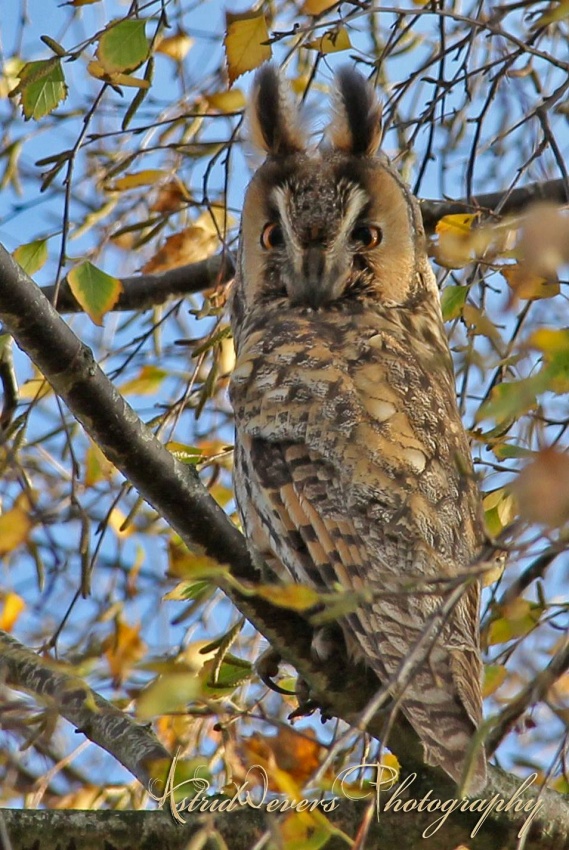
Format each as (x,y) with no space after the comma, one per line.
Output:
(356,125)
(274,118)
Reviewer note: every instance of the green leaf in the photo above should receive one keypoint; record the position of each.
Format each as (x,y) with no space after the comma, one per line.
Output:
(32,255)
(41,87)
(452,301)
(507,401)
(229,675)
(506,451)
(95,291)
(123,46)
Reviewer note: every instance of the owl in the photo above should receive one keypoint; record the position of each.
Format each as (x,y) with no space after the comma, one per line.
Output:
(352,467)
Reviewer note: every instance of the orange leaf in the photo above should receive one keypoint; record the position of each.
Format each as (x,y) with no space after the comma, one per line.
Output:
(187,246)
(123,649)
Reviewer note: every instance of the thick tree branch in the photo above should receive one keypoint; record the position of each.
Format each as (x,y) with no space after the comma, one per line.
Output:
(133,745)
(143,291)
(507,203)
(176,492)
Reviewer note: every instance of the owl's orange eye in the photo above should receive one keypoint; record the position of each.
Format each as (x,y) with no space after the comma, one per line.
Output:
(272,236)
(367,236)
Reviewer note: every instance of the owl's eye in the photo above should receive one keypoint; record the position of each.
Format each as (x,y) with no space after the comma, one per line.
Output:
(272,236)
(367,236)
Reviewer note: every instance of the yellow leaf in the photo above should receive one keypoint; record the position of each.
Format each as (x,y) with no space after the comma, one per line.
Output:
(479,323)
(116,520)
(555,12)
(296,597)
(147,382)
(550,341)
(185,564)
(316,7)
(527,285)
(332,41)
(31,256)
(12,607)
(454,248)
(226,101)
(519,619)
(168,694)
(500,510)
(188,246)
(116,78)
(494,676)
(35,388)
(15,526)
(245,42)
(97,467)
(175,46)
(139,178)
(123,649)
(458,225)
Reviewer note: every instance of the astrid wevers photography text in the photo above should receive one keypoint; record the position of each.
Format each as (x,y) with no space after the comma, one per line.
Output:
(254,792)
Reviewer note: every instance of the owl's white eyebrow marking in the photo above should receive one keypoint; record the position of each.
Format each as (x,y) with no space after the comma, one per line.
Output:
(281,195)
(357,199)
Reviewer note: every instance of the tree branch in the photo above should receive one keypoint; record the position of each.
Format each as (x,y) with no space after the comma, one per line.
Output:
(506,202)
(133,745)
(243,828)
(143,291)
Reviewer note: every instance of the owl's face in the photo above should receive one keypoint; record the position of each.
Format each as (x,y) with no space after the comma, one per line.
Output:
(333,228)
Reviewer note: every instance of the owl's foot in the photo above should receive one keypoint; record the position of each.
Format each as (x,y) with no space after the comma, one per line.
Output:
(307,705)
(267,668)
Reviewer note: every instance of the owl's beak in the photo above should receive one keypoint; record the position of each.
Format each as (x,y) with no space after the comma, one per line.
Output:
(318,281)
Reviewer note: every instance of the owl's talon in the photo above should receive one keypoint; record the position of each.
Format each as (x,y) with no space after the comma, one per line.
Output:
(307,705)
(267,667)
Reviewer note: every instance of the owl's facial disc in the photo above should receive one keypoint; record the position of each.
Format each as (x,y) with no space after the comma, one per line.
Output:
(315,242)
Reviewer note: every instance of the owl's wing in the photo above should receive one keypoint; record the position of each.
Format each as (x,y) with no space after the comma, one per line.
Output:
(301,527)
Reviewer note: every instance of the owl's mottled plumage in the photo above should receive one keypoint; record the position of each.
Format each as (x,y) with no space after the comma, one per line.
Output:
(352,465)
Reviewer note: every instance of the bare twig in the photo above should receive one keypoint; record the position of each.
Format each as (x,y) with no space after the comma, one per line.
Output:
(533,692)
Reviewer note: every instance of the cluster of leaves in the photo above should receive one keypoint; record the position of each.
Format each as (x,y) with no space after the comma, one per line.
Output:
(153,180)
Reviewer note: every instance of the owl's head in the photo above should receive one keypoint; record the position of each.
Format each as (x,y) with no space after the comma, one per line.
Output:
(331,228)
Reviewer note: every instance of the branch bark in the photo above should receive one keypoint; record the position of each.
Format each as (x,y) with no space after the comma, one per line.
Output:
(134,746)
(143,291)
(177,494)
(502,203)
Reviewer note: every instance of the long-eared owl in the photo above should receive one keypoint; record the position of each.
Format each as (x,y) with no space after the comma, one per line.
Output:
(352,467)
